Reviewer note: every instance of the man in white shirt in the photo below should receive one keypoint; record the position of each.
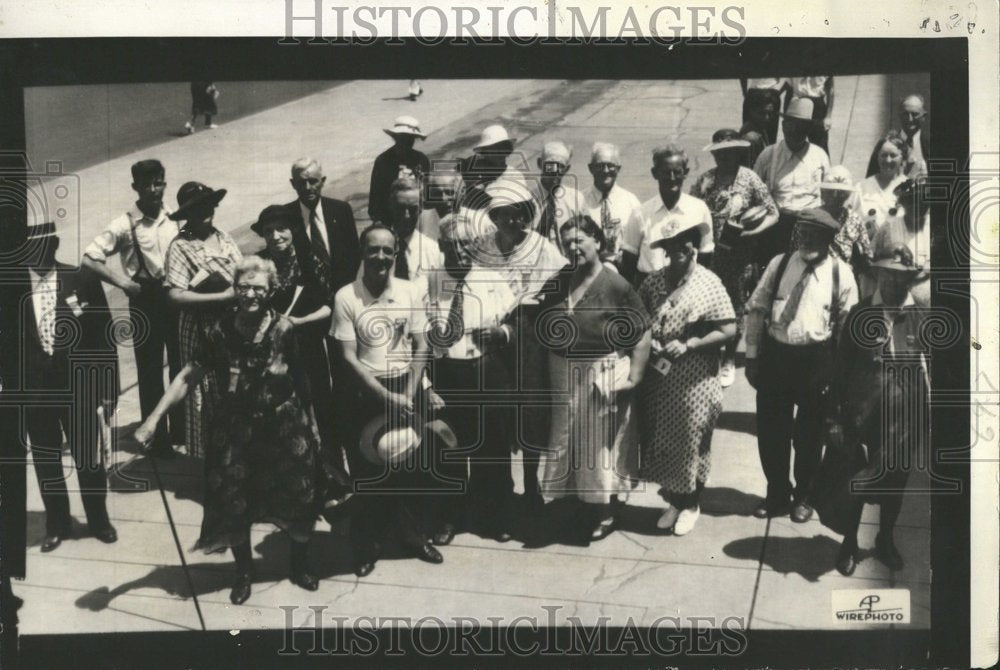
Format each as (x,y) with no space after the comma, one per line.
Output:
(557,197)
(793,169)
(418,254)
(670,207)
(380,322)
(467,307)
(141,237)
(793,320)
(608,204)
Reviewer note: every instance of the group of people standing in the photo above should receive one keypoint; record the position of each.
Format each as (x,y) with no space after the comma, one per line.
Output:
(485,312)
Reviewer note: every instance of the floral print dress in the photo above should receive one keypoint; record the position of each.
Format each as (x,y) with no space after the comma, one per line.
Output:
(264,464)
(734,265)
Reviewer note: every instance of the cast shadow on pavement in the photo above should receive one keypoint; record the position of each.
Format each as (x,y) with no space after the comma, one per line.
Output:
(330,556)
(738,422)
(810,557)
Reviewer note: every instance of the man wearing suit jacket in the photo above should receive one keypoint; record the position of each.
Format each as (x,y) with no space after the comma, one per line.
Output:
(68,368)
(326,242)
(913,123)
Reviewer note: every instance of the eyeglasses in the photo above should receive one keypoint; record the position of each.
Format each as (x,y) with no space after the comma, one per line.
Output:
(605,167)
(246,289)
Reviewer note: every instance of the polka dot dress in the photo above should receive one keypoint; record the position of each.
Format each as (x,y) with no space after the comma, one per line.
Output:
(679,409)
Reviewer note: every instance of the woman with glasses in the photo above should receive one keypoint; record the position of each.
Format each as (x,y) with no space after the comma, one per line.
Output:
(199,266)
(264,463)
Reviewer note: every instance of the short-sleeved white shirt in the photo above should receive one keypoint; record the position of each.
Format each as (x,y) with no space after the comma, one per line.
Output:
(652,216)
(382,326)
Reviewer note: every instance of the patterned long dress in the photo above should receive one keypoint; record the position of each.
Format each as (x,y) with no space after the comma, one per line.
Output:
(679,409)
(186,256)
(264,462)
(734,265)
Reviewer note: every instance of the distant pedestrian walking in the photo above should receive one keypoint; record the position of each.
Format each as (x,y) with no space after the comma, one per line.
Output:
(416,90)
(204,95)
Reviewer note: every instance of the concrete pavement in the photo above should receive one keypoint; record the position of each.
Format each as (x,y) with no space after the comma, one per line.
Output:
(772,574)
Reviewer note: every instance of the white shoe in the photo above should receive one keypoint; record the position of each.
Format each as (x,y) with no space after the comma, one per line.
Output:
(727,375)
(188,127)
(686,520)
(212,126)
(668,518)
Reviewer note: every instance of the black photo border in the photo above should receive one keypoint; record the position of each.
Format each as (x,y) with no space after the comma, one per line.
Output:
(50,62)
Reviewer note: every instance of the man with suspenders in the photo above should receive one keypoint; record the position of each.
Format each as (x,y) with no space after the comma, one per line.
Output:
(140,237)
(793,321)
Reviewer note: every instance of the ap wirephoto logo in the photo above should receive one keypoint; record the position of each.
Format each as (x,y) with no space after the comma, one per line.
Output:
(871,605)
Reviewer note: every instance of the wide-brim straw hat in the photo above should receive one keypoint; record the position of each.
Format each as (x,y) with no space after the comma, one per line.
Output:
(405,125)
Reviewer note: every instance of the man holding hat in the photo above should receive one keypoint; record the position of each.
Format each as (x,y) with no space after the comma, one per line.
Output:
(399,160)
(468,305)
(793,170)
(67,382)
(141,237)
(879,398)
(793,320)
(380,322)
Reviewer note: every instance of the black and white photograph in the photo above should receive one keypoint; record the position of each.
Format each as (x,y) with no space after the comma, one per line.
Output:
(343,345)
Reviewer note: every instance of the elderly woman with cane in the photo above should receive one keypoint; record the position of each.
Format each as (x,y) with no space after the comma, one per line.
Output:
(264,464)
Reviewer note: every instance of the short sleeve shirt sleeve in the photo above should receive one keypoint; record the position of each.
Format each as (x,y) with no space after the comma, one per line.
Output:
(342,327)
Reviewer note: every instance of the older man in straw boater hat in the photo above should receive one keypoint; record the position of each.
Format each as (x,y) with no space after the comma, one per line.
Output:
(793,170)
(399,160)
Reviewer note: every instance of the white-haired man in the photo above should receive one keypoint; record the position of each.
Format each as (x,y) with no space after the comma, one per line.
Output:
(606,202)
(558,202)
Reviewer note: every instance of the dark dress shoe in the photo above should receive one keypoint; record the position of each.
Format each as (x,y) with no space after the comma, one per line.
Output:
(801,512)
(364,569)
(107,535)
(444,536)
(52,542)
(886,552)
(241,589)
(847,560)
(305,579)
(767,510)
(428,553)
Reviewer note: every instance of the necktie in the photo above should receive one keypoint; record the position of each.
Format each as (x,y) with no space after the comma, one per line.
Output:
(549,220)
(47,323)
(316,238)
(402,263)
(610,230)
(795,297)
(455,327)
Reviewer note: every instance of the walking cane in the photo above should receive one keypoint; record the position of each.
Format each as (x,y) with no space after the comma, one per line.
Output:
(106,453)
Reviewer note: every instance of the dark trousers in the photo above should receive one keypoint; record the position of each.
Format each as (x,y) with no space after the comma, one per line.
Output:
(388,496)
(313,351)
(45,427)
(150,307)
(758,97)
(482,459)
(791,406)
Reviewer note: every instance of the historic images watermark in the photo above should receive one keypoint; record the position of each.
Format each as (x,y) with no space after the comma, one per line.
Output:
(519,24)
(314,631)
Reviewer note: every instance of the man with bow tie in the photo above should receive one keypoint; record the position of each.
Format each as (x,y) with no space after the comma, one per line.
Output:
(793,320)
(68,369)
